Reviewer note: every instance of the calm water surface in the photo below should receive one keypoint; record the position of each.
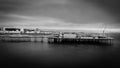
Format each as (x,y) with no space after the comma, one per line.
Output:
(38,54)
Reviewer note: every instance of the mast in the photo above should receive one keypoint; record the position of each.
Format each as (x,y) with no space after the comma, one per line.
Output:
(104,30)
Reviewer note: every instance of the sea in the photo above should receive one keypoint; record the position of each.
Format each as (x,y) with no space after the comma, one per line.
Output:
(46,55)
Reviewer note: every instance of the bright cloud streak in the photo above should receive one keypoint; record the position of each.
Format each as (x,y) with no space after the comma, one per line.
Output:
(20,16)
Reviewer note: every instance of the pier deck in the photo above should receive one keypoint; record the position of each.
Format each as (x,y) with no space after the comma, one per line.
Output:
(79,40)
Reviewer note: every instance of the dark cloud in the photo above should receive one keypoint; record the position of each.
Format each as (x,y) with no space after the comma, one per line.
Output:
(112,6)
(8,6)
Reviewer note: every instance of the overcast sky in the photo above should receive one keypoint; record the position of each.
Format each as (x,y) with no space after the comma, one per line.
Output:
(60,13)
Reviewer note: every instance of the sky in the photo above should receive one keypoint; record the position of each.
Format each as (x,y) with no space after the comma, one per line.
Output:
(61,14)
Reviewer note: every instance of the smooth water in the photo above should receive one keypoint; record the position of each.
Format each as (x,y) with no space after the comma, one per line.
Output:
(36,54)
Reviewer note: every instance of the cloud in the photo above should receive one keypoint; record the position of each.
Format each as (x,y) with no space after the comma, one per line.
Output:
(56,1)
(57,13)
(39,21)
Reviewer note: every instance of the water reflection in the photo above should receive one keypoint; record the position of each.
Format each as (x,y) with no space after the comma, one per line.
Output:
(81,44)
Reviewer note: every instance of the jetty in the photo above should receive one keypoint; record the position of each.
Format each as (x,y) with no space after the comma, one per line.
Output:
(76,38)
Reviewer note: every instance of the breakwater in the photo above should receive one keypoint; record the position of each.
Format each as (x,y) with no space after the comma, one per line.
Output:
(23,38)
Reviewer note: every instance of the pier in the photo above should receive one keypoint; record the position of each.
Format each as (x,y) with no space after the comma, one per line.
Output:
(51,39)
(35,35)
(74,38)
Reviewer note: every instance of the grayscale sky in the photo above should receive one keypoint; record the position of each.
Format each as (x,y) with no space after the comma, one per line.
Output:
(70,14)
